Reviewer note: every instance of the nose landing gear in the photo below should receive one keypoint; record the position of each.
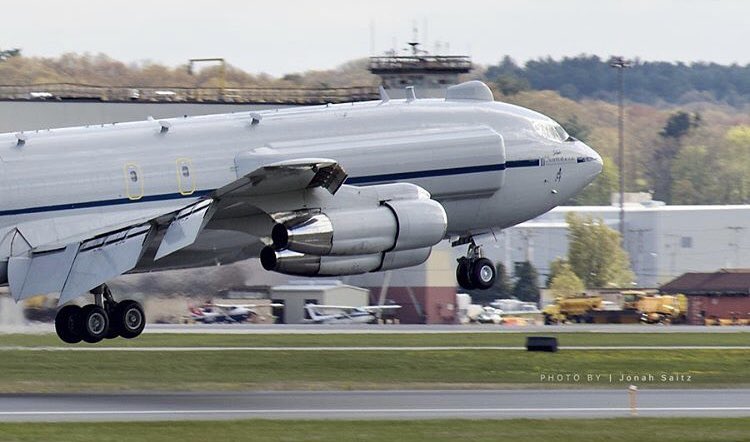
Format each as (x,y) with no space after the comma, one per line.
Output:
(474,271)
(105,319)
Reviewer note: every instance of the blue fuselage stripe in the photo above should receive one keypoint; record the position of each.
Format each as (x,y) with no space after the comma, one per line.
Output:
(351,180)
(424,174)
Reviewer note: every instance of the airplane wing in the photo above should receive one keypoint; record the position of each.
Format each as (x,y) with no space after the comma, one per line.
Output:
(330,307)
(351,307)
(375,308)
(84,260)
(247,306)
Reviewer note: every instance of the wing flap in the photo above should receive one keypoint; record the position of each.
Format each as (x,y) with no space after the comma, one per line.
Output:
(184,229)
(40,273)
(104,258)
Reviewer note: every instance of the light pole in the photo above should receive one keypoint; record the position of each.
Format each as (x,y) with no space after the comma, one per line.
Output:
(621,64)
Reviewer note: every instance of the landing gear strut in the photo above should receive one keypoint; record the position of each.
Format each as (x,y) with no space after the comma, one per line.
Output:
(474,271)
(106,318)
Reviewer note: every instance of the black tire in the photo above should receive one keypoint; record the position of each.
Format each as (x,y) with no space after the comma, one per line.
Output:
(482,273)
(462,274)
(95,323)
(130,318)
(68,324)
(114,323)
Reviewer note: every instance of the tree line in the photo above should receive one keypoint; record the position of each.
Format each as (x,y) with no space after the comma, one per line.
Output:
(650,82)
(100,69)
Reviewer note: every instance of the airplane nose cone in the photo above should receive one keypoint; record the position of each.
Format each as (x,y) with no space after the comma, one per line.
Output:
(598,160)
(597,163)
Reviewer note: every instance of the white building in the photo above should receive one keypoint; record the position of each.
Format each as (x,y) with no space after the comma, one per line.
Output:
(663,241)
(297,293)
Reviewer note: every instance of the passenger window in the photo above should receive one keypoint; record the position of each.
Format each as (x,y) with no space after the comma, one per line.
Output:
(133,181)
(185,178)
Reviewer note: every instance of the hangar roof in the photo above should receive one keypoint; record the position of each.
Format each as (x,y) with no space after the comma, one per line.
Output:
(722,282)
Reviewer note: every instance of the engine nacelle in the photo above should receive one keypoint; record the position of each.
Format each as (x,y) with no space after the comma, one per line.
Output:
(300,264)
(393,226)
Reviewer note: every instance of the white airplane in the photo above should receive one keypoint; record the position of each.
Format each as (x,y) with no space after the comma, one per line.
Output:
(339,314)
(514,307)
(321,190)
(226,313)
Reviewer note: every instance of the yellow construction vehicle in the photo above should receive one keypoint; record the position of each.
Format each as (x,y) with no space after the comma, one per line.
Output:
(662,309)
(637,307)
(571,309)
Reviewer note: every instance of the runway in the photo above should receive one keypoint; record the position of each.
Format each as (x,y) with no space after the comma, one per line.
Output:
(496,404)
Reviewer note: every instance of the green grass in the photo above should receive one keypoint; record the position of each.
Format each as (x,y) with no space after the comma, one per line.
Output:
(616,430)
(396,339)
(43,371)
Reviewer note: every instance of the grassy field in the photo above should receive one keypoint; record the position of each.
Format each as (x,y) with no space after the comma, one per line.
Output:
(395,339)
(616,430)
(51,371)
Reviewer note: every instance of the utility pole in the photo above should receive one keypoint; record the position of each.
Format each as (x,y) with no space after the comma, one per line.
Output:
(621,64)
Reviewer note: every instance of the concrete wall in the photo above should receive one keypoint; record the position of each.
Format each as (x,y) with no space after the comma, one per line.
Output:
(723,307)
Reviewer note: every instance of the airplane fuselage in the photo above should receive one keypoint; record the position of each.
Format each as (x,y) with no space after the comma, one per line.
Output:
(491,165)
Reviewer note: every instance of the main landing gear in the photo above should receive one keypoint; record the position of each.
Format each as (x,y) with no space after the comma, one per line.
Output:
(105,319)
(474,271)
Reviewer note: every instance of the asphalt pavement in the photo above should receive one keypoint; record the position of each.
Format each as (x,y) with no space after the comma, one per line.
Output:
(396,404)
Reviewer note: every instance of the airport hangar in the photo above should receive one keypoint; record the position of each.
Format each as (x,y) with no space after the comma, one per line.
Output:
(663,242)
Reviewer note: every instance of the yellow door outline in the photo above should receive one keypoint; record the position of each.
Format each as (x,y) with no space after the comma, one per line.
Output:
(133,181)
(185,176)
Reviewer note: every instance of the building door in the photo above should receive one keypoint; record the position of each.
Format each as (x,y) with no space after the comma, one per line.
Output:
(278,312)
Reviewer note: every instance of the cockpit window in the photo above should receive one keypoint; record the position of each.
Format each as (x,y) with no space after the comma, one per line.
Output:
(551,131)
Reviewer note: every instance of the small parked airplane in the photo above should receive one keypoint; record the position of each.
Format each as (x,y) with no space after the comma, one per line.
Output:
(211,313)
(322,190)
(339,314)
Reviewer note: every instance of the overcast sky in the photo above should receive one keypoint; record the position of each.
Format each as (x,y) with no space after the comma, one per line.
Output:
(281,36)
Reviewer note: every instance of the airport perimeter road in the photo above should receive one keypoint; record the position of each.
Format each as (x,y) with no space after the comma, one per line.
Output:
(433,328)
(498,404)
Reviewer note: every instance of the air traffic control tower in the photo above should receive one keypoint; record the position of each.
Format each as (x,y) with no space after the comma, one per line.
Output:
(429,74)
